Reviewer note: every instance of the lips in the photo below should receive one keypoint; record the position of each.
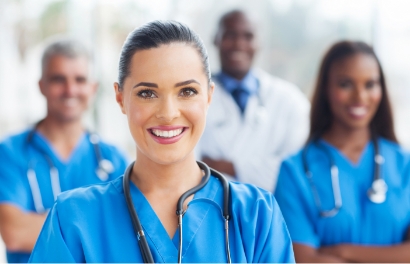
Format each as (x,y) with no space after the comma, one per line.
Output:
(358,111)
(167,134)
(70,102)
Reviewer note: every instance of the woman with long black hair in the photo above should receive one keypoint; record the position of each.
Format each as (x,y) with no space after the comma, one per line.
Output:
(346,195)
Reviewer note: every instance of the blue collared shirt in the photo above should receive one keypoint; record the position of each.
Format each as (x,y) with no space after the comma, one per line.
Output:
(249,84)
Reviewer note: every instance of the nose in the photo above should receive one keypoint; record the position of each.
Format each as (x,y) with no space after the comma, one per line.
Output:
(168,109)
(361,94)
(70,88)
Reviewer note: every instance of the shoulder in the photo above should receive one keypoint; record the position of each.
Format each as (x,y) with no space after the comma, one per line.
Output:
(248,199)
(112,152)
(280,88)
(392,151)
(14,142)
(84,198)
(104,145)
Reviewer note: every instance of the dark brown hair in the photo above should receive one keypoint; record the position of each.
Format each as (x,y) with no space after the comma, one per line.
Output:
(321,116)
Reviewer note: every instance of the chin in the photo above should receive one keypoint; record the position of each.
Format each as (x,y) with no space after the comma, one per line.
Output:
(168,160)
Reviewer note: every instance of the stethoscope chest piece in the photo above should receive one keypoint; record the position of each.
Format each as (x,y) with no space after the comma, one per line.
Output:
(104,169)
(377,192)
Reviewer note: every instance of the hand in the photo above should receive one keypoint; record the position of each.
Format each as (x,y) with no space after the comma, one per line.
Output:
(223,166)
(340,251)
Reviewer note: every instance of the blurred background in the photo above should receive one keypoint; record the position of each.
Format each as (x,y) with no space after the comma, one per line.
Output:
(294,34)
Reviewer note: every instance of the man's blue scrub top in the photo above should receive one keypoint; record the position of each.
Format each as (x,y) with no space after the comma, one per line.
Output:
(92,224)
(78,170)
(359,221)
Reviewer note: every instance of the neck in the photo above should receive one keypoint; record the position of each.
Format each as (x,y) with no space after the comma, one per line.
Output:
(176,178)
(63,136)
(237,75)
(342,137)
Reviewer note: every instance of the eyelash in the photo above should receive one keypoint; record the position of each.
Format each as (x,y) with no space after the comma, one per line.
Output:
(190,89)
(181,93)
(140,94)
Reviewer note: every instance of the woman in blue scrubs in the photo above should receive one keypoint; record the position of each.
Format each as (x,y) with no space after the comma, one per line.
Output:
(164,89)
(345,196)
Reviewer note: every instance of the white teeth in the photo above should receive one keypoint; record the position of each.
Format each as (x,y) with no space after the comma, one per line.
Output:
(167,134)
(70,101)
(358,111)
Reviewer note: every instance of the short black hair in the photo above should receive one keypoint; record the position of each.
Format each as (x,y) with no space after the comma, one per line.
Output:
(154,34)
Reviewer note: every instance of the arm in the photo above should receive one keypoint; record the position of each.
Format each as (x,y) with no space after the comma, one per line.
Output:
(223,166)
(19,229)
(51,245)
(307,254)
(355,253)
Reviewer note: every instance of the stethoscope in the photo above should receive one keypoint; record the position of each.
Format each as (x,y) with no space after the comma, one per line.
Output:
(142,242)
(376,193)
(104,169)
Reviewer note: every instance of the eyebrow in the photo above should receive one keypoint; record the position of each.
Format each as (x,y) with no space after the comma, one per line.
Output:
(147,84)
(154,85)
(186,83)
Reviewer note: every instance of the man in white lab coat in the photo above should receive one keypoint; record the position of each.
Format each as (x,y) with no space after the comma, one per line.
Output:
(255,120)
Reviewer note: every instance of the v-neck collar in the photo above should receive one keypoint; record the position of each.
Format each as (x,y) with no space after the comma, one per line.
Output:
(166,247)
(46,146)
(343,157)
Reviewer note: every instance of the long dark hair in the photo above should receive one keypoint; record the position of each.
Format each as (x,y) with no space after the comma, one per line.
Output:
(321,116)
(154,34)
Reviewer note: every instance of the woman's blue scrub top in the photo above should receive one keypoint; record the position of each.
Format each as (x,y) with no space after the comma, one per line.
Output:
(92,224)
(359,221)
(16,153)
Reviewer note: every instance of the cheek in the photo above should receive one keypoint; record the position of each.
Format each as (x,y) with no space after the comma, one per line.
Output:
(138,115)
(376,96)
(337,97)
(195,113)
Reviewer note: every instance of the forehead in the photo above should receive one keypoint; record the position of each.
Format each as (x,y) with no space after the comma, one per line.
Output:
(355,65)
(238,21)
(63,65)
(173,62)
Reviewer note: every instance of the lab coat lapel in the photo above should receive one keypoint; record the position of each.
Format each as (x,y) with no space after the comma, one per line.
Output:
(224,122)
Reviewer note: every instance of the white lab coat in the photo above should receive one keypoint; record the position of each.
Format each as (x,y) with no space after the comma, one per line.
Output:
(275,124)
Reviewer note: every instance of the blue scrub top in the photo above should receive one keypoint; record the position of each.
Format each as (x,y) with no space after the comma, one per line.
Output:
(79,170)
(359,221)
(92,224)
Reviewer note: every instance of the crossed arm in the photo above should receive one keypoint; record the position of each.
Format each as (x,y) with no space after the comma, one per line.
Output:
(354,253)
(19,229)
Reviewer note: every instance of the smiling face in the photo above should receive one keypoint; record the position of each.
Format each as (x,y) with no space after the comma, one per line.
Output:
(165,97)
(66,87)
(237,45)
(354,90)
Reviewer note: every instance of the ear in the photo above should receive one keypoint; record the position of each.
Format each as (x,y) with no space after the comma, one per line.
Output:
(210,92)
(41,85)
(119,97)
(94,87)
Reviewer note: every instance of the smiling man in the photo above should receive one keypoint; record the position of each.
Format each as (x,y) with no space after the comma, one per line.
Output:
(255,119)
(56,154)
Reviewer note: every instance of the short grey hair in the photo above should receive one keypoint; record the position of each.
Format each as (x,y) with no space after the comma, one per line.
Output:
(64,47)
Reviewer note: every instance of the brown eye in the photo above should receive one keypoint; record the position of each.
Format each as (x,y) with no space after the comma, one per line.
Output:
(188,92)
(371,84)
(146,94)
(345,84)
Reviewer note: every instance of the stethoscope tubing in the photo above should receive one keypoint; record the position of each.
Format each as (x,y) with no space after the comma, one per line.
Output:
(138,229)
(334,172)
(54,174)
